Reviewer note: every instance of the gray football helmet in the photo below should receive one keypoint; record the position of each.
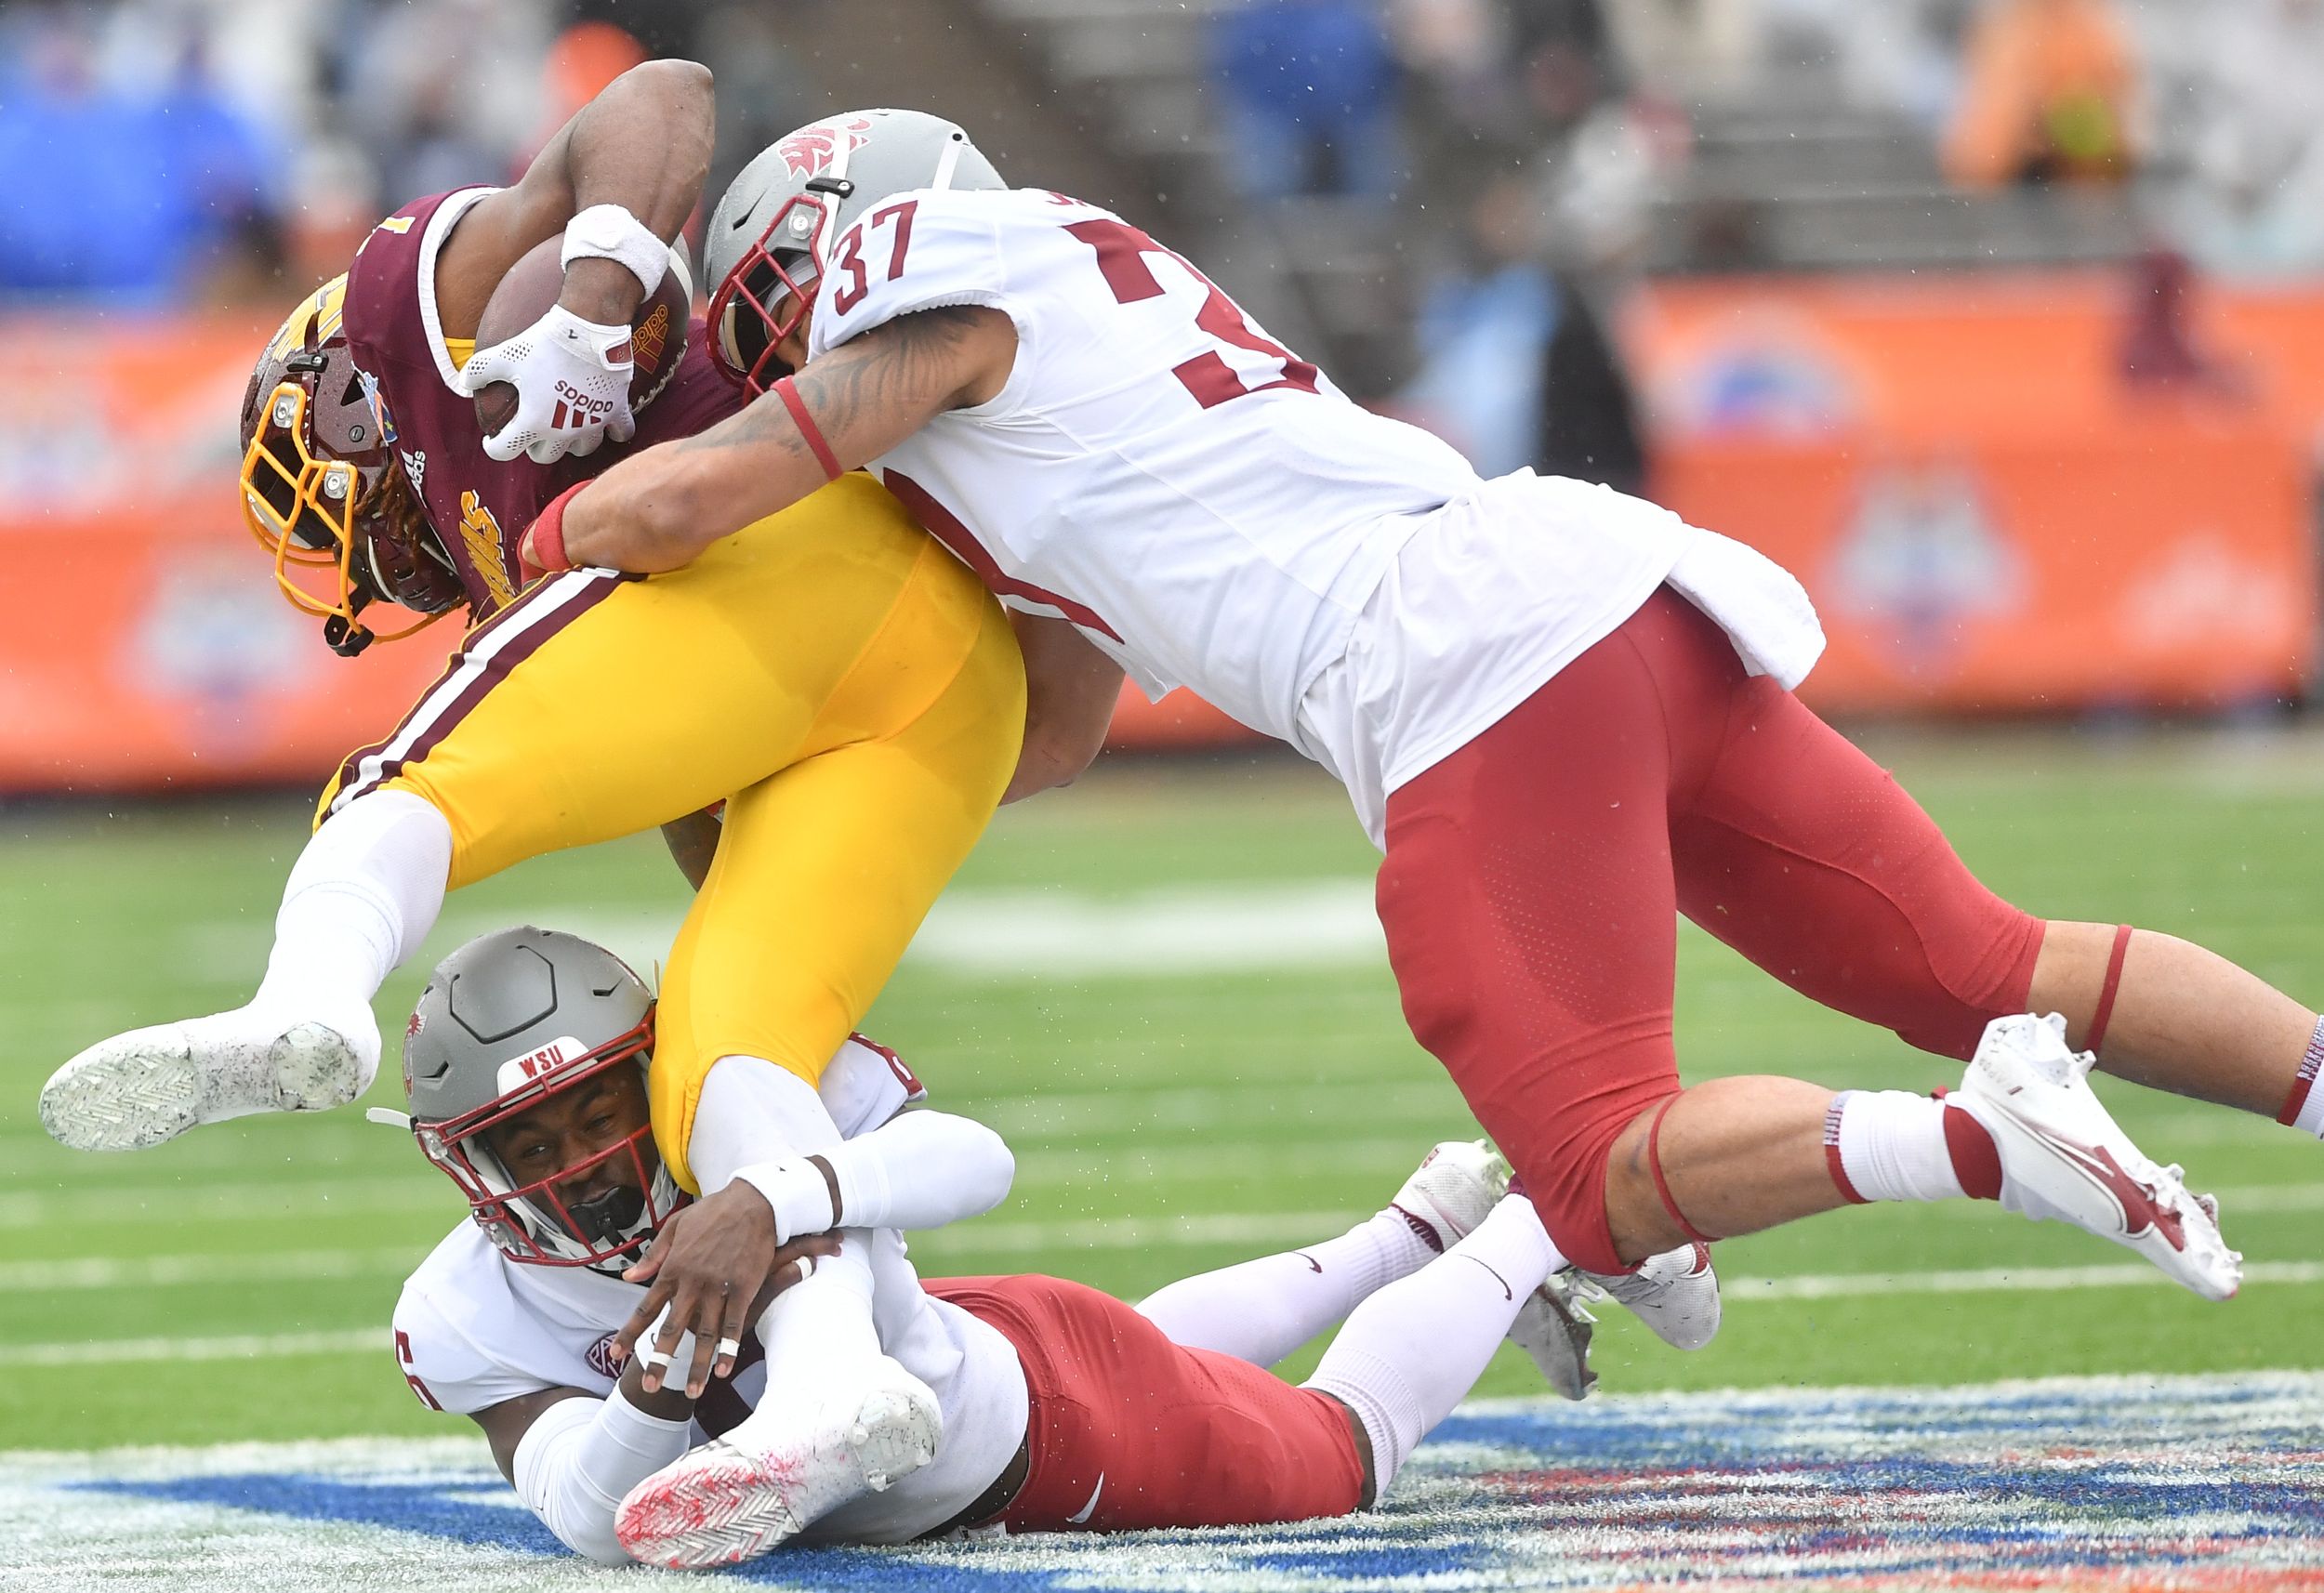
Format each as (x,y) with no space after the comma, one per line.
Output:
(773,232)
(512,1021)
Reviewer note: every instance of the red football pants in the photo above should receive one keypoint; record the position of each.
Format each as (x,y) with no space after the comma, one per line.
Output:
(1129,1429)
(1531,879)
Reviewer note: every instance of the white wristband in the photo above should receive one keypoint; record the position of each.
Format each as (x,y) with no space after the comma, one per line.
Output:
(610,232)
(796,1190)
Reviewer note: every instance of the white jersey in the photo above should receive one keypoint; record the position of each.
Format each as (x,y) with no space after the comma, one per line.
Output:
(474,1329)
(1212,512)
(1207,507)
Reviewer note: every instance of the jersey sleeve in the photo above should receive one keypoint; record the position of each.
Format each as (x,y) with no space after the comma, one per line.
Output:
(440,1339)
(918,251)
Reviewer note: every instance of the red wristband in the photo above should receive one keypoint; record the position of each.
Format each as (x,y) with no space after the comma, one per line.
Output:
(786,390)
(543,550)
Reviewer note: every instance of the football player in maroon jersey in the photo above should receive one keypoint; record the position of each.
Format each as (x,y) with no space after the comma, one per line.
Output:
(363,462)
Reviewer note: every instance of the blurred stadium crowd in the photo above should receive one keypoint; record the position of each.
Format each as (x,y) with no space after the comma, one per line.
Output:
(1533,153)
(186,150)
(229,153)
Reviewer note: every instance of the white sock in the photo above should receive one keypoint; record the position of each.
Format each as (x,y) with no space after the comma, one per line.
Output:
(1890,1145)
(1261,1311)
(362,897)
(1413,1351)
(818,1333)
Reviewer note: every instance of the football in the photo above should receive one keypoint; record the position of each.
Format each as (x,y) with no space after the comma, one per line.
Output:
(532,285)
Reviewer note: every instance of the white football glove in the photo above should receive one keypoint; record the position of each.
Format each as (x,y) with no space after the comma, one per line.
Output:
(572,378)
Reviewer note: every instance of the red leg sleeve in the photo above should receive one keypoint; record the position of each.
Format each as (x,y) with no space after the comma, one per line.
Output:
(1806,857)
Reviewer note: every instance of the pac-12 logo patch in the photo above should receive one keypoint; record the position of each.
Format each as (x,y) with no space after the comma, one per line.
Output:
(605,1356)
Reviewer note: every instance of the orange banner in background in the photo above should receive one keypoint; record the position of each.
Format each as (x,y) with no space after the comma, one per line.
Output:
(1987,512)
(142,643)
(2142,569)
(1989,509)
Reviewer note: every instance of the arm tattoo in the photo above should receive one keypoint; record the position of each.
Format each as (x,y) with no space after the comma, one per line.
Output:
(905,363)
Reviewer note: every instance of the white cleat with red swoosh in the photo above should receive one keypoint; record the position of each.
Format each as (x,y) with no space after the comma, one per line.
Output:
(765,1482)
(2065,1160)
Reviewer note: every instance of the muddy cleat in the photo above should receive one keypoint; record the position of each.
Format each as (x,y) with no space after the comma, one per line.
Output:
(2065,1160)
(769,1478)
(150,1085)
(1676,1294)
(1454,1188)
(1554,1327)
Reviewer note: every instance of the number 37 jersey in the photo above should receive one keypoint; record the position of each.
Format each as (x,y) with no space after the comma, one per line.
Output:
(1204,505)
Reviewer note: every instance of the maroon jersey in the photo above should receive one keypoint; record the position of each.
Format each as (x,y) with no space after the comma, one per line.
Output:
(480,507)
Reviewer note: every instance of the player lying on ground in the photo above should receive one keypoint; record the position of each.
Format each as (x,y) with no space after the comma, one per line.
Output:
(1062,1409)
(863,738)
(1564,715)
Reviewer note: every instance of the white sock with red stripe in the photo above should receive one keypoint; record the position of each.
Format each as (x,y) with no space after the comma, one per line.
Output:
(2304,1108)
(819,1334)
(1892,1144)
(1412,1351)
(360,899)
(1261,1311)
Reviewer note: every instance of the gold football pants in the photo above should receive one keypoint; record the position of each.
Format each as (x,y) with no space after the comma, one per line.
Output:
(833,673)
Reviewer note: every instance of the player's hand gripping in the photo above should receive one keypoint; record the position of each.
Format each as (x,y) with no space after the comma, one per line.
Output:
(572,378)
(715,1265)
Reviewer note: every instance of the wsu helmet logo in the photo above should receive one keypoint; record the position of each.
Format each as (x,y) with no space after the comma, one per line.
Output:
(814,147)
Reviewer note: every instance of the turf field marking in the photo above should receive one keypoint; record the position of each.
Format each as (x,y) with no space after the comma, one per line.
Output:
(166,1271)
(1029,1238)
(1164,933)
(231,1347)
(219,1202)
(1985,1280)
(2070,1485)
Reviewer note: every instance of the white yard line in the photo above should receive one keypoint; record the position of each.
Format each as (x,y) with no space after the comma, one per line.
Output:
(1045,935)
(162,1272)
(374,1340)
(240,1347)
(1987,1280)
(212,1203)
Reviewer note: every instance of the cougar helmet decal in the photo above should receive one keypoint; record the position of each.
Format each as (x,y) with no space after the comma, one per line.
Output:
(320,489)
(815,147)
(769,240)
(525,1063)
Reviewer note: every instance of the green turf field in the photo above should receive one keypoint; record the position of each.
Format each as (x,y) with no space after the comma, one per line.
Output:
(1246,1086)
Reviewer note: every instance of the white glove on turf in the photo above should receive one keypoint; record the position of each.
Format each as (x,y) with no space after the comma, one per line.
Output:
(572,378)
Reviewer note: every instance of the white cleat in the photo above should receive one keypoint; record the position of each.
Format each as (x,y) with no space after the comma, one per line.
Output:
(1554,1327)
(768,1479)
(1456,1187)
(150,1085)
(1675,1294)
(2065,1160)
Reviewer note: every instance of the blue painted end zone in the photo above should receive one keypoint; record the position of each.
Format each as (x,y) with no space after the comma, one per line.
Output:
(2216,1483)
